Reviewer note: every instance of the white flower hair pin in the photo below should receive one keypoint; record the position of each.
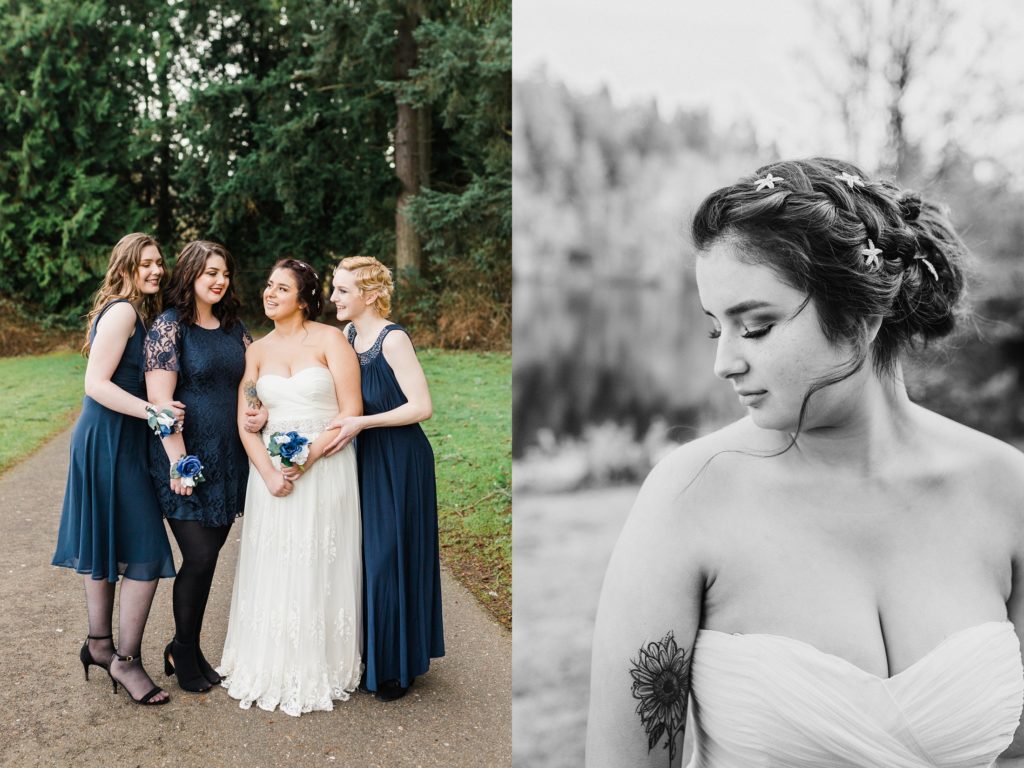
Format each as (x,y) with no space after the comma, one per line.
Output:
(850,178)
(921,257)
(871,255)
(768,181)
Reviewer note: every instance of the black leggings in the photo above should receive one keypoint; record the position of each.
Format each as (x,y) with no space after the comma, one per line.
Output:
(199,549)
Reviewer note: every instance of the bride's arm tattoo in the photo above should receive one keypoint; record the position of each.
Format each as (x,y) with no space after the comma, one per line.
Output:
(251,398)
(661,685)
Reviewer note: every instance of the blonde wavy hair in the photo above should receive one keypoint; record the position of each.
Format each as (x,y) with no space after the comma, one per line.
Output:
(371,276)
(119,282)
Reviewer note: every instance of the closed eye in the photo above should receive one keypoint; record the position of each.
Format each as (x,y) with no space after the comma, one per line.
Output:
(757,333)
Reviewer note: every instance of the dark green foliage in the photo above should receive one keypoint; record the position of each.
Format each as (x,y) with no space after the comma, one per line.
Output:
(261,125)
(67,181)
(464,79)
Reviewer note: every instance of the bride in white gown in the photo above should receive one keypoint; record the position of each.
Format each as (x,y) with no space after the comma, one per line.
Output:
(294,629)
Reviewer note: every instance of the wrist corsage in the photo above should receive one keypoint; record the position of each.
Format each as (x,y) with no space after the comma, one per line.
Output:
(162,422)
(188,469)
(291,447)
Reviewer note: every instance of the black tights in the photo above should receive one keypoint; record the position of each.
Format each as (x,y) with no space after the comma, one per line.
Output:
(199,550)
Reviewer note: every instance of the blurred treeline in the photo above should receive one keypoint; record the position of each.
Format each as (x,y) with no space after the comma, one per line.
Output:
(272,127)
(611,349)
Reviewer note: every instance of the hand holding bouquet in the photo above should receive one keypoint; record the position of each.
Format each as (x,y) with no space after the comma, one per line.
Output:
(291,447)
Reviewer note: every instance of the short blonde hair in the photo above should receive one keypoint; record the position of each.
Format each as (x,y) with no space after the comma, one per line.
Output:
(371,275)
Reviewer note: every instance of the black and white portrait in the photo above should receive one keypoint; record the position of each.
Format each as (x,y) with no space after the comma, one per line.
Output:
(768,288)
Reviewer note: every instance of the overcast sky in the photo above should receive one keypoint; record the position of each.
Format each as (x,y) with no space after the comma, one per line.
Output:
(738,57)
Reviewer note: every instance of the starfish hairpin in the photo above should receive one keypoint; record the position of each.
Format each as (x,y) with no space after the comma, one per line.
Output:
(850,178)
(929,265)
(768,181)
(871,255)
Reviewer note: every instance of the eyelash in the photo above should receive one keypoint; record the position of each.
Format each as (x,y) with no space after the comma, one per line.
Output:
(756,333)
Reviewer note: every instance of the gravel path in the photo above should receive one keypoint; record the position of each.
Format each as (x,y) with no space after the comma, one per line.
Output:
(459,714)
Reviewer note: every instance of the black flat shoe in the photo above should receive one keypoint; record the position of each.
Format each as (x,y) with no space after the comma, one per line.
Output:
(175,655)
(86,655)
(145,699)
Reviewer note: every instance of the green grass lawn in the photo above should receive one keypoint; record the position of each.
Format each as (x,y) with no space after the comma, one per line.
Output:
(39,397)
(471,432)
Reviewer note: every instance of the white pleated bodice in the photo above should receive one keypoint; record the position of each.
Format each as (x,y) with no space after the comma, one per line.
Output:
(767,700)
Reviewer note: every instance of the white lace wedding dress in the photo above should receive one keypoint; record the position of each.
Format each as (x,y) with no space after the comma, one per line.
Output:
(295,624)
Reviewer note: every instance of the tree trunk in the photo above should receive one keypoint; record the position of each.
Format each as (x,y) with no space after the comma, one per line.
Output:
(409,147)
(165,221)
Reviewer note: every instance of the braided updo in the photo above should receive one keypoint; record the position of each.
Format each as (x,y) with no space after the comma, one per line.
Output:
(812,225)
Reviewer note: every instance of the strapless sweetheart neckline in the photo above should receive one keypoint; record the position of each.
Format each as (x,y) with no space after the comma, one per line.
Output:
(846,662)
(773,700)
(292,376)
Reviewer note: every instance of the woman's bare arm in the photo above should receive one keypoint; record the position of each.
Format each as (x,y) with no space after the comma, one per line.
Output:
(646,627)
(112,333)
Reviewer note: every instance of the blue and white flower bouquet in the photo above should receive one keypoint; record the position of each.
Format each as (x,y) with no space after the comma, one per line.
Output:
(291,447)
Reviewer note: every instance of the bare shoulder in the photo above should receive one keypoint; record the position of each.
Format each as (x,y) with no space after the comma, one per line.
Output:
(397,340)
(706,468)
(120,315)
(259,345)
(685,497)
(323,331)
(963,451)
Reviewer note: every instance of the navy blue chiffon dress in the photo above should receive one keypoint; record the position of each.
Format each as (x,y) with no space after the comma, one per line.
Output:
(110,524)
(401,570)
(210,364)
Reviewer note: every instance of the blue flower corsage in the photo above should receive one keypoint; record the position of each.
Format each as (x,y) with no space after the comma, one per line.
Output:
(188,469)
(162,422)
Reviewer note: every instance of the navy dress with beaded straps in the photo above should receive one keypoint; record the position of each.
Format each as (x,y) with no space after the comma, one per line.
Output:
(210,365)
(402,573)
(110,524)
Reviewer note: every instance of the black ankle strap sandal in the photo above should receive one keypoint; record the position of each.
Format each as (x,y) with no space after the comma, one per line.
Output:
(146,698)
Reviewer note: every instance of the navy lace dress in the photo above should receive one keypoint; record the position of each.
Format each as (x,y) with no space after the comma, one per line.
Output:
(110,524)
(209,364)
(401,569)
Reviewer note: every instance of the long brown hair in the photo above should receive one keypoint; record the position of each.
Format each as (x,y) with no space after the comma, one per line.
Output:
(119,282)
(181,290)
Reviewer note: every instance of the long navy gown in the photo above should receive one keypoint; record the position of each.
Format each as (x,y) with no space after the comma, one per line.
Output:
(402,573)
(209,364)
(110,524)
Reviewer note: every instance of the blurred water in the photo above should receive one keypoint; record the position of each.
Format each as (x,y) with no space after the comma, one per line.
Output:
(562,544)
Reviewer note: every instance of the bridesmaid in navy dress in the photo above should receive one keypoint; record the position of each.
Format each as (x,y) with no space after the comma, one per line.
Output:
(110,523)
(402,573)
(195,353)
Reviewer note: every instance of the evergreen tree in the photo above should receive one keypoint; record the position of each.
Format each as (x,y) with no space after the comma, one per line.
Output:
(68,114)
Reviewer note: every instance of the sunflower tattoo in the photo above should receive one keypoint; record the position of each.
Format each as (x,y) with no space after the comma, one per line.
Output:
(661,684)
(251,398)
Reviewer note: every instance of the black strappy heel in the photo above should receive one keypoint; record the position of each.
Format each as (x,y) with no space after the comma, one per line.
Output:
(147,698)
(86,655)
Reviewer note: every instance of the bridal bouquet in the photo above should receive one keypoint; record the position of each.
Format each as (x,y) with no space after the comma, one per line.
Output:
(188,469)
(291,447)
